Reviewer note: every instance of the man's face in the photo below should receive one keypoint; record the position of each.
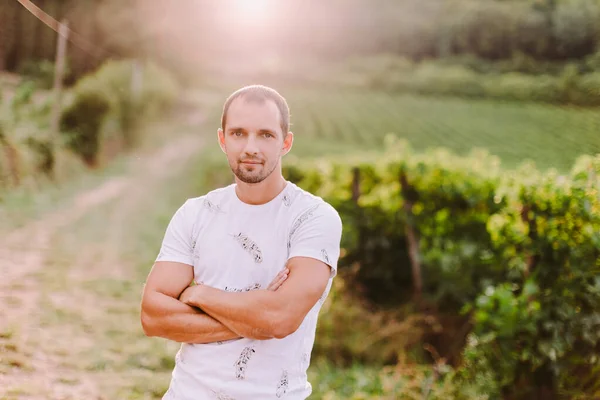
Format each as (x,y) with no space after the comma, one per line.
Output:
(253,139)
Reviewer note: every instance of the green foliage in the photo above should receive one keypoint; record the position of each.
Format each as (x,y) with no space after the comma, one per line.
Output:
(41,72)
(518,80)
(82,124)
(22,97)
(112,104)
(25,150)
(549,240)
(5,164)
(378,337)
(398,382)
(518,253)
(498,30)
(45,156)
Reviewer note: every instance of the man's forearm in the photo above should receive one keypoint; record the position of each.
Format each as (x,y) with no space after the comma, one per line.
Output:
(253,314)
(166,317)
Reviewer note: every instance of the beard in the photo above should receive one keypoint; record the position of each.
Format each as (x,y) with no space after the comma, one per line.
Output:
(255,174)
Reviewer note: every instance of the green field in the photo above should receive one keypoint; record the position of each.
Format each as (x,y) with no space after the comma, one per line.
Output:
(552,137)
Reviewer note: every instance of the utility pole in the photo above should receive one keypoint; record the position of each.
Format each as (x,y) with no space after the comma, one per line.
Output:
(59,70)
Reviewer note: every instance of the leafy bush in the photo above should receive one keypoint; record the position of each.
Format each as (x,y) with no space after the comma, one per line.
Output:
(112,82)
(378,337)
(517,252)
(25,150)
(45,159)
(547,320)
(402,381)
(41,72)
(498,30)
(568,86)
(575,29)
(82,123)
(9,165)
(22,97)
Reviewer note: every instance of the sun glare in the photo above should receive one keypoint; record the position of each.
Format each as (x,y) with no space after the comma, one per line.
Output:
(252,11)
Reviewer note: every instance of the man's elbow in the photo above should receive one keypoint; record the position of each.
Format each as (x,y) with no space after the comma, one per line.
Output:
(284,327)
(149,325)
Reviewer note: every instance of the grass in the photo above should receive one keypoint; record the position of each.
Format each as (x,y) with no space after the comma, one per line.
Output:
(338,121)
(91,282)
(90,299)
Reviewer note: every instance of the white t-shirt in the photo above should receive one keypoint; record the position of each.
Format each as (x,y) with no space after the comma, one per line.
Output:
(234,246)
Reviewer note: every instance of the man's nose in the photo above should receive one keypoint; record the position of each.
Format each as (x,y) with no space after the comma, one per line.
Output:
(251,145)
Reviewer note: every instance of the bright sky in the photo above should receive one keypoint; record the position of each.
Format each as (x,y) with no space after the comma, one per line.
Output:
(251,12)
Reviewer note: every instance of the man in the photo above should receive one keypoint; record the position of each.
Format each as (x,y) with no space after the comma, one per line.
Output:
(263,253)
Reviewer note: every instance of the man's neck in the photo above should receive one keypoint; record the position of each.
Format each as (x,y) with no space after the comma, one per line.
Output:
(262,192)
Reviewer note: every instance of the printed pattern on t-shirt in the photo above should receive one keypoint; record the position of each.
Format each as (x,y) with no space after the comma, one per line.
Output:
(283,384)
(249,246)
(286,200)
(242,362)
(301,219)
(255,286)
(325,256)
(212,207)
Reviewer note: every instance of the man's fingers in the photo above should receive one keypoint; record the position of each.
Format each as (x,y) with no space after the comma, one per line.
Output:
(278,280)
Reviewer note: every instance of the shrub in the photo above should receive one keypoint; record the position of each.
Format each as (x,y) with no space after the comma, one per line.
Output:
(22,97)
(42,72)
(516,251)
(575,28)
(113,83)
(379,336)
(25,150)
(567,86)
(45,159)
(82,124)
(9,162)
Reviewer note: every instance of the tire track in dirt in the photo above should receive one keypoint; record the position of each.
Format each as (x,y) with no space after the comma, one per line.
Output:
(23,254)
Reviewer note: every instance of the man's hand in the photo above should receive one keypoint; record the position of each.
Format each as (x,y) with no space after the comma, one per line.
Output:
(188,294)
(279,279)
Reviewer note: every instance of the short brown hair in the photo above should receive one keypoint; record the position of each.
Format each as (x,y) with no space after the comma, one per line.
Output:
(260,93)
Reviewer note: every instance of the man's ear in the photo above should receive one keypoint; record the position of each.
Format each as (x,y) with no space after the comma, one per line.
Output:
(221,138)
(287,143)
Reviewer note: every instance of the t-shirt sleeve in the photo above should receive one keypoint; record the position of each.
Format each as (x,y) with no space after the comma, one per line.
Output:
(317,233)
(177,242)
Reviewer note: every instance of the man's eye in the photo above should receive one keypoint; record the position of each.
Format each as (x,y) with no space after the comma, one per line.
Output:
(237,133)
(268,135)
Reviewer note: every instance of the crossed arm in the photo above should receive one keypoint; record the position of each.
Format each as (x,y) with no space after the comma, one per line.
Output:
(201,314)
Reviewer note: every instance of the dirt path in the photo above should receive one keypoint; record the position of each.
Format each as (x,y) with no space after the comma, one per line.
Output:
(28,370)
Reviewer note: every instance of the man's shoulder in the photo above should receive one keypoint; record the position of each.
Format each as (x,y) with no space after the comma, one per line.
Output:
(210,201)
(304,201)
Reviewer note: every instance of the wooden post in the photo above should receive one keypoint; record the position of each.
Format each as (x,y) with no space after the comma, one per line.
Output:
(59,70)
(355,196)
(592,179)
(412,239)
(355,184)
